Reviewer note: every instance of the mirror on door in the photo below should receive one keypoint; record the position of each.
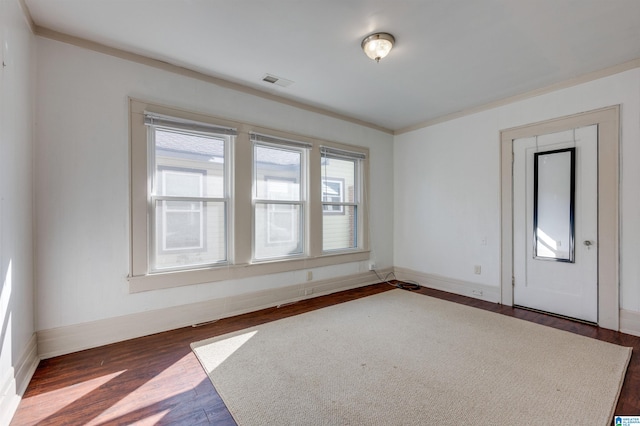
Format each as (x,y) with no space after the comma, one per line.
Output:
(553,205)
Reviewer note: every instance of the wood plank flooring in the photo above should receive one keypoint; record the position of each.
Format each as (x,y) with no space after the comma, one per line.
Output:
(158,380)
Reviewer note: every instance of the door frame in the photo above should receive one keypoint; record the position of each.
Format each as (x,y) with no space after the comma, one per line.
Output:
(608,121)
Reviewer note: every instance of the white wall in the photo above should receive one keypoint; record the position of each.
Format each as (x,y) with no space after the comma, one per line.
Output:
(16,195)
(444,181)
(447,184)
(82,184)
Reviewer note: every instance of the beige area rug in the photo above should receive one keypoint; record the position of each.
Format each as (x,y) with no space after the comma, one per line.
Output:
(399,358)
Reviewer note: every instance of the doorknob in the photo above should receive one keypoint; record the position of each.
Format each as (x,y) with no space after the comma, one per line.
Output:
(588,243)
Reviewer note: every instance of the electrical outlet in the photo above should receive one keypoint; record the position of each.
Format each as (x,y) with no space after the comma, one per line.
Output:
(477,269)
(476,292)
(309,275)
(372,266)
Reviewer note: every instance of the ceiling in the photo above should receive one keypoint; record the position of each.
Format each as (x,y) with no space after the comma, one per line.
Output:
(450,55)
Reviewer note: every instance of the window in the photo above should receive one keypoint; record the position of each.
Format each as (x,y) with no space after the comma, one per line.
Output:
(341,188)
(188,195)
(279,174)
(215,199)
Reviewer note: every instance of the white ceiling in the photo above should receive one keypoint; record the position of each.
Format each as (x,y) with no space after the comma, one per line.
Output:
(450,55)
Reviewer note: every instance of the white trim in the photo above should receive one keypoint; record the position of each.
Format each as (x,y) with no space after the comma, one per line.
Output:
(141,59)
(64,340)
(451,285)
(27,364)
(630,322)
(29,20)
(608,121)
(585,78)
(179,70)
(238,271)
(16,380)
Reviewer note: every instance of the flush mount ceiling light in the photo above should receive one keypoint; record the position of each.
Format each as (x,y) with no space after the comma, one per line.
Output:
(378,45)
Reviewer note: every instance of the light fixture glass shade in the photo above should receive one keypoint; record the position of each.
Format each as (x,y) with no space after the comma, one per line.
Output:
(378,45)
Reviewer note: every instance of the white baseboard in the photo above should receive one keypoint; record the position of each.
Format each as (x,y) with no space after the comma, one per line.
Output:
(73,338)
(16,380)
(630,322)
(464,288)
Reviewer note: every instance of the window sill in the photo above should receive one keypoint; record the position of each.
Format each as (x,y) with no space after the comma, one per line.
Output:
(164,280)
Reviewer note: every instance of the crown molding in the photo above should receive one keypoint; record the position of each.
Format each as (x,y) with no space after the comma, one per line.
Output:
(166,66)
(27,15)
(585,78)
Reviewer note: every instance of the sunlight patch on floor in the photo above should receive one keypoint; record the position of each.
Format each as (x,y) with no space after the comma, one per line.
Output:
(219,351)
(154,396)
(65,396)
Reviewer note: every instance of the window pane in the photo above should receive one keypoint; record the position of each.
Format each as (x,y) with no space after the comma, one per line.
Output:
(277,173)
(340,182)
(339,232)
(277,230)
(185,183)
(181,157)
(182,230)
(189,233)
(338,175)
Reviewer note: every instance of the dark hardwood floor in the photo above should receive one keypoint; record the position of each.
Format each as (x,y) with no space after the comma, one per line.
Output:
(158,380)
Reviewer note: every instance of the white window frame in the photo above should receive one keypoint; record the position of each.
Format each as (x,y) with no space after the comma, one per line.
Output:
(155,122)
(272,142)
(240,218)
(328,153)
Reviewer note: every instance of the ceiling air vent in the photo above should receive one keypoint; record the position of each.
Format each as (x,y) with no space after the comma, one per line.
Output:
(279,81)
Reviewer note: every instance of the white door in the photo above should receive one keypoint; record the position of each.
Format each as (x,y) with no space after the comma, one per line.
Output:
(555,223)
